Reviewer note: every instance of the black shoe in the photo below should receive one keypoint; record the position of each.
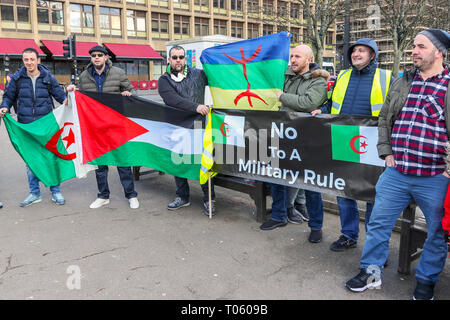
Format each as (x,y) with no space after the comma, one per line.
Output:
(178,203)
(363,281)
(301,208)
(1,205)
(293,216)
(424,291)
(206,207)
(342,244)
(315,236)
(272,224)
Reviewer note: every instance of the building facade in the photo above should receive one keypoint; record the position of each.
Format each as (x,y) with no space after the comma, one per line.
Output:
(123,26)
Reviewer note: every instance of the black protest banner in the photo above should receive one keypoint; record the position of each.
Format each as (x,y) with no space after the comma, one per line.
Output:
(328,153)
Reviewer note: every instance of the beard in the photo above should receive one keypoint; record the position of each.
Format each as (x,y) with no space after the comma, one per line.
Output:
(99,67)
(425,63)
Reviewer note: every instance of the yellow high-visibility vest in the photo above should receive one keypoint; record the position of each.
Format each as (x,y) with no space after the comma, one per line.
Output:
(380,87)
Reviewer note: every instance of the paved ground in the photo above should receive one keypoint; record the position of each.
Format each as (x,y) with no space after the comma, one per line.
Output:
(152,253)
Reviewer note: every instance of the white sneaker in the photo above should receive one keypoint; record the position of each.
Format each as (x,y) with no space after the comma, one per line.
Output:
(99,203)
(134,203)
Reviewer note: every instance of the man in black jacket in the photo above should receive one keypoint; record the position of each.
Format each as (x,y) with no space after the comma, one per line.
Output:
(184,88)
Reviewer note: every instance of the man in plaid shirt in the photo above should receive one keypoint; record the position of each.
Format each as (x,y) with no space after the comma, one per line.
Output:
(413,133)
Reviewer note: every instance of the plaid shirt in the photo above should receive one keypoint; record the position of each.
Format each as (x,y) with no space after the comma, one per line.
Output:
(419,134)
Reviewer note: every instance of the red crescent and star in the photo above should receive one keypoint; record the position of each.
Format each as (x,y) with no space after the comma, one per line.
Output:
(70,139)
(362,144)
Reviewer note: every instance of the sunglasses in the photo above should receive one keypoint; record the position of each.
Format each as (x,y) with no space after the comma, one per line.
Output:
(177,57)
(97,55)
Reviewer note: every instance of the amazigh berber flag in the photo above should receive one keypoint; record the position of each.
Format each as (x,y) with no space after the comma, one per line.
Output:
(247,74)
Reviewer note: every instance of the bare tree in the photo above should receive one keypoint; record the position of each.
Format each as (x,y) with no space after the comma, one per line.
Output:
(404,18)
(318,16)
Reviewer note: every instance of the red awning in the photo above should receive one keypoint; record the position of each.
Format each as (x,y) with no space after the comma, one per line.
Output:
(56,48)
(14,47)
(133,51)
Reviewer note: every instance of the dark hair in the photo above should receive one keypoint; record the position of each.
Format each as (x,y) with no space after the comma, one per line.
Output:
(31,50)
(176,48)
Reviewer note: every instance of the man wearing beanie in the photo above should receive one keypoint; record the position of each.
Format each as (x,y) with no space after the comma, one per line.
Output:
(412,136)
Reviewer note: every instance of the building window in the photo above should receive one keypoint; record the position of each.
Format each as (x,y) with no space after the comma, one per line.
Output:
(181,27)
(81,19)
(268,7)
(329,39)
(201,6)
(236,5)
(138,2)
(267,29)
(294,10)
(253,7)
(15,15)
(220,27)
(159,66)
(50,17)
(136,24)
(219,4)
(160,25)
(201,26)
(110,22)
(160,3)
(252,30)
(181,5)
(237,29)
(295,35)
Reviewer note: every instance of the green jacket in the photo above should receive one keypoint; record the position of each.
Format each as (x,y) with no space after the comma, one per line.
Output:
(116,80)
(395,100)
(306,92)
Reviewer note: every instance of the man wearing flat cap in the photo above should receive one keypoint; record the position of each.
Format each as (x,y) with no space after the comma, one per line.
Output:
(413,130)
(101,76)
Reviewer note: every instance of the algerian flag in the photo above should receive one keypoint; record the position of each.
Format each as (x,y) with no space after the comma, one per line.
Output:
(355,144)
(228,129)
(48,147)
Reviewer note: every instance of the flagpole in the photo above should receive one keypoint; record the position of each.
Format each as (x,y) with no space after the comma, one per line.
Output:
(209,194)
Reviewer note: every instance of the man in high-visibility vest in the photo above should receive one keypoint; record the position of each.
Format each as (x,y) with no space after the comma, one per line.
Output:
(360,90)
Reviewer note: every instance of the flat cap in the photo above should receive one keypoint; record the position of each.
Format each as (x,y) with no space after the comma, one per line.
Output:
(99,49)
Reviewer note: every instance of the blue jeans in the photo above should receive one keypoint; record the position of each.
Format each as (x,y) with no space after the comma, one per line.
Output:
(126,178)
(394,191)
(183,189)
(278,202)
(314,206)
(294,195)
(349,215)
(33,183)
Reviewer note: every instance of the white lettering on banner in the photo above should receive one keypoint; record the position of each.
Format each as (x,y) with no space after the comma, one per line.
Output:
(295,155)
(326,181)
(263,169)
(290,132)
(310,177)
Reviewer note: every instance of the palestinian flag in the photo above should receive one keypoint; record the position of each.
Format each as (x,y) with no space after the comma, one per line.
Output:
(247,74)
(355,144)
(48,147)
(131,131)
